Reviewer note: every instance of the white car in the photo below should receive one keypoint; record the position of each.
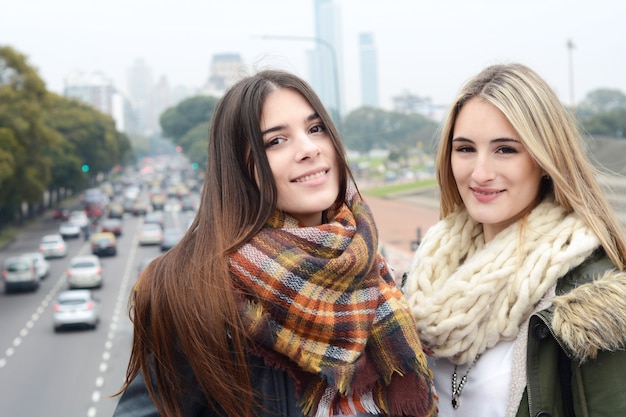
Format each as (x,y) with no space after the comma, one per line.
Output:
(79,217)
(84,272)
(41,264)
(53,246)
(19,273)
(150,234)
(75,308)
(69,229)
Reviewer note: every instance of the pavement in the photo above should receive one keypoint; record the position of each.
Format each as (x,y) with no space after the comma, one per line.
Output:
(401,220)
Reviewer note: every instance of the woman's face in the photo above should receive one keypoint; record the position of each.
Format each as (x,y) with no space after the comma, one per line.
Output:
(301,155)
(496,176)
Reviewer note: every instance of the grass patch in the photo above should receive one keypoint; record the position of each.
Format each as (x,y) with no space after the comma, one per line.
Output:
(386,190)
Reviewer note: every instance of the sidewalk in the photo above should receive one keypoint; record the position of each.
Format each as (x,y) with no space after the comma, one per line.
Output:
(399,221)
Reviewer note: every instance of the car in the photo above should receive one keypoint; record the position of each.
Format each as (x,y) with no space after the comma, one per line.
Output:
(111,225)
(69,229)
(158,200)
(20,273)
(150,234)
(171,236)
(62,214)
(84,271)
(116,211)
(76,308)
(155,217)
(103,244)
(41,264)
(79,217)
(189,202)
(53,246)
(140,207)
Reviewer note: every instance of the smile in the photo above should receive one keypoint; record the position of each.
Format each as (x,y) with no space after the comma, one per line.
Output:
(310,177)
(485,192)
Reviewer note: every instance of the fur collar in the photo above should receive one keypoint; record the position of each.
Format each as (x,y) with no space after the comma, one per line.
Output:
(592,316)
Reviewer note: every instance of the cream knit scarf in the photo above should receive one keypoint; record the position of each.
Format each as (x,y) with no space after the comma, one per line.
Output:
(466,295)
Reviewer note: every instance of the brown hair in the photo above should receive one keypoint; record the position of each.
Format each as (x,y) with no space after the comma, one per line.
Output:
(183,307)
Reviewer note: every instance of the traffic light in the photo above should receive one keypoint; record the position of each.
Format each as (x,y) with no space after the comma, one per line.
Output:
(85,168)
(194,165)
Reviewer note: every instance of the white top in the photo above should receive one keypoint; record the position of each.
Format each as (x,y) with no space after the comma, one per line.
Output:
(486,391)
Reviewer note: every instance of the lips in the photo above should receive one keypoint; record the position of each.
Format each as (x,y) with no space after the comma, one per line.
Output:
(310,177)
(485,192)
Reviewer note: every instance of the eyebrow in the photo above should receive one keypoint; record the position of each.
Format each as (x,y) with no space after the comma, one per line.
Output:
(312,117)
(498,140)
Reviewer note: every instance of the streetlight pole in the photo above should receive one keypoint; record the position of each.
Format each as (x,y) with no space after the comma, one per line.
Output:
(332,53)
(570,50)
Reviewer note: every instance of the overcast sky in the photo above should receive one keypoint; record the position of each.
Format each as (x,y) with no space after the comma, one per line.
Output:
(426,47)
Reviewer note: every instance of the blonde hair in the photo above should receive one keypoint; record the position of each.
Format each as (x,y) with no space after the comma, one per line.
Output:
(550,135)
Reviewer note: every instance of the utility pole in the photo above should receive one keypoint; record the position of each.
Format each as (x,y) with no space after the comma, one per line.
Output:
(570,50)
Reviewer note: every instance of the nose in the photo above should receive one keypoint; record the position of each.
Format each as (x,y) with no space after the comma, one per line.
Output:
(483,171)
(307,147)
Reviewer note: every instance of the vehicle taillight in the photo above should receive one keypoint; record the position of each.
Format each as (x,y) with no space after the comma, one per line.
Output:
(5,272)
(99,270)
(57,307)
(89,305)
(60,246)
(68,273)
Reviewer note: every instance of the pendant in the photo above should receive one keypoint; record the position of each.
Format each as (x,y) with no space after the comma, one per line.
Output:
(455,402)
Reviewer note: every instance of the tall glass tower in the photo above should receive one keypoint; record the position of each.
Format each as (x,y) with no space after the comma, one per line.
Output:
(325,60)
(369,70)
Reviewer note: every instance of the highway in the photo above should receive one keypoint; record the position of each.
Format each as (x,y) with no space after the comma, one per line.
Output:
(72,373)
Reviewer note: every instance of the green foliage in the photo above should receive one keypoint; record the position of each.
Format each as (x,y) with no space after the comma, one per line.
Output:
(367,128)
(603,101)
(177,121)
(612,124)
(387,190)
(45,139)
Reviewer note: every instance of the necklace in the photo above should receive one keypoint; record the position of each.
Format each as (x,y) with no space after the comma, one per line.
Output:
(456,390)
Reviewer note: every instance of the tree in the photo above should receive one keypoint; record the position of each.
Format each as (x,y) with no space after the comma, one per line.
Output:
(22,100)
(603,101)
(180,119)
(367,128)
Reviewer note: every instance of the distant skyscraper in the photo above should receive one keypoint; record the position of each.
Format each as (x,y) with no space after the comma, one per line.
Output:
(369,70)
(226,69)
(139,86)
(325,60)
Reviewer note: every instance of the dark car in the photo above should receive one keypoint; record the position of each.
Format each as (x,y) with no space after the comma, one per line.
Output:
(103,244)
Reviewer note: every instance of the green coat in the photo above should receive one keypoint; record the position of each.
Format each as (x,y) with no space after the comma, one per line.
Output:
(587,321)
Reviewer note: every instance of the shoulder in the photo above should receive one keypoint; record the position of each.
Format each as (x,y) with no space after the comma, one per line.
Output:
(590,308)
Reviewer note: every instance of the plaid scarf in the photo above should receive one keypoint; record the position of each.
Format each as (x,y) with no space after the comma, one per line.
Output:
(320,303)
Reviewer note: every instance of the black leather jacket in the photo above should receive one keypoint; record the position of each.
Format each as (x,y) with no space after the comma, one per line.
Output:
(276,393)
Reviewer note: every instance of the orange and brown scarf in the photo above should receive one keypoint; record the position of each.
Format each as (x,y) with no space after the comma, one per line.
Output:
(321,304)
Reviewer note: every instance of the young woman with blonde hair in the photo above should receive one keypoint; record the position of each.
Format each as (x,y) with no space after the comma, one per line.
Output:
(519,289)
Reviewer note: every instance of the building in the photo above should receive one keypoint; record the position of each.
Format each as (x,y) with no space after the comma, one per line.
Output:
(226,69)
(369,70)
(325,60)
(98,91)
(139,83)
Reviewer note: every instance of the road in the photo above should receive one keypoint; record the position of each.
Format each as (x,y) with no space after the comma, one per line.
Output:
(74,373)
(400,222)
